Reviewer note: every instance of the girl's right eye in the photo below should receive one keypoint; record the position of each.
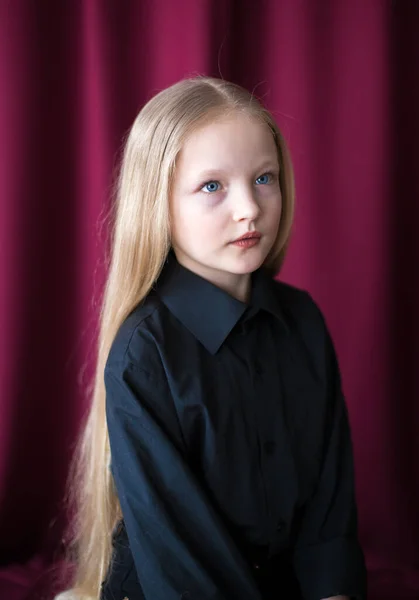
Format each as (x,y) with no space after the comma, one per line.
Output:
(210,187)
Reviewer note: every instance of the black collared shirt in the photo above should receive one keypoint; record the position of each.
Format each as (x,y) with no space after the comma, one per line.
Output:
(230,443)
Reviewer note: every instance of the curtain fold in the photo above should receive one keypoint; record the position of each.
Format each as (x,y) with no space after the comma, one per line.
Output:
(342,80)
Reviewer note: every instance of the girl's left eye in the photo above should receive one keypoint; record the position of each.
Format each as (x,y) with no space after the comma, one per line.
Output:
(210,187)
(264,179)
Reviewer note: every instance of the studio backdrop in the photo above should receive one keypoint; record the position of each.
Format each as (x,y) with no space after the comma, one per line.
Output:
(341,78)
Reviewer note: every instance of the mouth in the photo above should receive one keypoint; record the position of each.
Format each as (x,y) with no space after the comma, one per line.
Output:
(251,235)
(248,240)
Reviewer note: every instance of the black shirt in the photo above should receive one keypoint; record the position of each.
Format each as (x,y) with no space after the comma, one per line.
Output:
(230,443)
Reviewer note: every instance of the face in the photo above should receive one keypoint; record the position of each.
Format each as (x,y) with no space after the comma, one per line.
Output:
(226,185)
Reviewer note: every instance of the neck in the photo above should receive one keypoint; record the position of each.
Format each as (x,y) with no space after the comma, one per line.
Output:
(241,290)
(237,285)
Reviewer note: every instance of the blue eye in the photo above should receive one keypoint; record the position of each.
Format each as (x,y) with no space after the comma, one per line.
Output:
(264,179)
(211,187)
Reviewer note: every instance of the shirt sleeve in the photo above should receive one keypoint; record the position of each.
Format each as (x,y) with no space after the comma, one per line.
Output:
(328,558)
(180,546)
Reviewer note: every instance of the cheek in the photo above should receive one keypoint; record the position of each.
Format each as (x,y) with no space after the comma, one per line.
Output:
(196,219)
(272,207)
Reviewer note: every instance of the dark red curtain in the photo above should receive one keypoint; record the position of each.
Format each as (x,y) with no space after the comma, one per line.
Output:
(342,79)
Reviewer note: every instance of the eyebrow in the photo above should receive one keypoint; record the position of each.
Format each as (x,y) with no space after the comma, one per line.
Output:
(209,173)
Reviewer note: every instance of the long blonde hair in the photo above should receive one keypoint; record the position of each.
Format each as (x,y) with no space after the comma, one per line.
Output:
(139,244)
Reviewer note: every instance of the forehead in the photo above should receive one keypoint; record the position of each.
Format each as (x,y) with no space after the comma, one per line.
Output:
(237,140)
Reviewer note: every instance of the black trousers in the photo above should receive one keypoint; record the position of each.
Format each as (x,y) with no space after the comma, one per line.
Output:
(276,579)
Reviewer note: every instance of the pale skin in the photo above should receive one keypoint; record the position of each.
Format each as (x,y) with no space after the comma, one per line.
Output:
(226,184)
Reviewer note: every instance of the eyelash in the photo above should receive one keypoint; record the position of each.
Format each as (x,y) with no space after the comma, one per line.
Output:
(271,178)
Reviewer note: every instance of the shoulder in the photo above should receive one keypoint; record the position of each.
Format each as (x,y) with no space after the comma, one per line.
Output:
(300,309)
(137,339)
(308,325)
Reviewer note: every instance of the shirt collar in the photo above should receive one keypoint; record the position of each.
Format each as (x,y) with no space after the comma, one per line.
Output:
(206,310)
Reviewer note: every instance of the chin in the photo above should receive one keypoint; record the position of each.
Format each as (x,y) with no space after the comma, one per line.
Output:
(247,264)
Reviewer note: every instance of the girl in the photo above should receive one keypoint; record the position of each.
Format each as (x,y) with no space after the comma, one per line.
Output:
(217,451)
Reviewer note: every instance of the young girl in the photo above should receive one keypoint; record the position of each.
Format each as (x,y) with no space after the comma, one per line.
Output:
(216,462)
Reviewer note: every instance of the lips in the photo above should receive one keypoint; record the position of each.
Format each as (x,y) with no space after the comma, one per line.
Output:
(251,235)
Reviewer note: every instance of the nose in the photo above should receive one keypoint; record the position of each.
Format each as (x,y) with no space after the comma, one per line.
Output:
(245,205)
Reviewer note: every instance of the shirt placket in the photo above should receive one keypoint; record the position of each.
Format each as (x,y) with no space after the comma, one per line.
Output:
(275,453)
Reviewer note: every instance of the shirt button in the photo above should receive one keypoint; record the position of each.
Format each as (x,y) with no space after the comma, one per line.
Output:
(256,566)
(269,447)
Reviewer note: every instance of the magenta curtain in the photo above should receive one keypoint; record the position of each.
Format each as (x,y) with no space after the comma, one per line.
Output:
(342,79)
